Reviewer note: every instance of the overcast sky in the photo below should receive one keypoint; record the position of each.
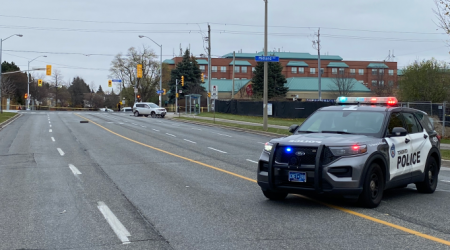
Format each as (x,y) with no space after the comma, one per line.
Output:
(352,29)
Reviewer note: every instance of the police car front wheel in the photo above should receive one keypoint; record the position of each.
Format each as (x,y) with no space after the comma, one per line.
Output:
(274,195)
(429,184)
(373,187)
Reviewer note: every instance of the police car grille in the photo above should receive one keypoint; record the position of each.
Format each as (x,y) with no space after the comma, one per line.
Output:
(309,157)
(327,156)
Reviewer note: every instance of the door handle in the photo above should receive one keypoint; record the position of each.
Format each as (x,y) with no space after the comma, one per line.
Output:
(425,136)
(407,140)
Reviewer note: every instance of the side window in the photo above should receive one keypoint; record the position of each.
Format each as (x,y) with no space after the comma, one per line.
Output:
(426,121)
(411,124)
(394,121)
(146,106)
(140,105)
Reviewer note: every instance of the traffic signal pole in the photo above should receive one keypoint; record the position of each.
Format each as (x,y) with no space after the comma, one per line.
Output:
(265,71)
(176,96)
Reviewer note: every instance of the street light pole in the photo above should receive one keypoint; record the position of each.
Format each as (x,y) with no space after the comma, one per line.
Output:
(265,70)
(160,66)
(1,48)
(28,82)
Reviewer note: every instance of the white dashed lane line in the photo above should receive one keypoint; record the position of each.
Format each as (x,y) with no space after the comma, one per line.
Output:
(223,152)
(53,139)
(196,128)
(156,130)
(445,181)
(252,161)
(74,169)
(60,152)
(224,135)
(118,228)
(171,135)
(189,141)
(50,130)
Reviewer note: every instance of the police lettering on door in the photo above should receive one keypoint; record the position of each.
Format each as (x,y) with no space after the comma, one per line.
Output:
(404,159)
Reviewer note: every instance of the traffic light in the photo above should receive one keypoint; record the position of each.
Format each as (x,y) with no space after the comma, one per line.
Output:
(203,77)
(139,71)
(110,83)
(138,97)
(176,95)
(209,94)
(164,93)
(48,70)
(182,80)
(40,83)
(26,96)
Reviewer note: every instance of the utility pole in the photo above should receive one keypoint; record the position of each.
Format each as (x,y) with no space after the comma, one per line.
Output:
(176,96)
(234,64)
(209,65)
(317,43)
(265,70)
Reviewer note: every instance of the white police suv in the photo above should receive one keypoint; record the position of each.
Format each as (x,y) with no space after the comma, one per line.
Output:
(357,149)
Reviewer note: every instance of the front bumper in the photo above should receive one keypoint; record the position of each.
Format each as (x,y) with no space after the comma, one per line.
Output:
(320,179)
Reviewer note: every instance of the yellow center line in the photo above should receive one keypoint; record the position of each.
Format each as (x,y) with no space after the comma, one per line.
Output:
(345,210)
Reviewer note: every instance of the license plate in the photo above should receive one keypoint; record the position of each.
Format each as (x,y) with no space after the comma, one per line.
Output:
(297,176)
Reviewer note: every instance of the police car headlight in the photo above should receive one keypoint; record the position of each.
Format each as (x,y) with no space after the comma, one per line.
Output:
(348,150)
(268,147)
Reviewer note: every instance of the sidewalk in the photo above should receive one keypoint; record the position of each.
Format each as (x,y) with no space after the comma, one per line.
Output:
(171,115)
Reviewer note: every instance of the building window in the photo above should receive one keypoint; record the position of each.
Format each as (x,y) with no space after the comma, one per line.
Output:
(236,78)
(244,69)
(301,70)
(361,72)
(391,83)
(374,82)
(223,78)
(236,69)
(202,68)
(294,70)
(381,83)
(341,71)
(352,71)
(322,71)
(381,71)
(312,70)
(374,72)
(214,68)
(334,71)
(214,78)
(223,69)
(243,78)
(391,72)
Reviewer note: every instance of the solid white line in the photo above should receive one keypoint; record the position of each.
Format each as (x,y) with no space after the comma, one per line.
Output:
(61,152)
(118,228)
(74,169)
(218,150)
(53,139)
(189,141)
(156,130)
(445,181)
(224,135)
(170,134)
(50,130)
(252,161)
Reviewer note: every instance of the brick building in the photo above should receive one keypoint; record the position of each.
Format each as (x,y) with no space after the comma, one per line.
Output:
(302,68)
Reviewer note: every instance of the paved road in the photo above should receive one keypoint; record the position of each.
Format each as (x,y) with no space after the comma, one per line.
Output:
(121,182)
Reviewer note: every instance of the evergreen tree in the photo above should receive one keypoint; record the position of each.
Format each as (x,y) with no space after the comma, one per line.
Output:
(188,68)
(100,90)
(276,80)
(8,67)
(77,90)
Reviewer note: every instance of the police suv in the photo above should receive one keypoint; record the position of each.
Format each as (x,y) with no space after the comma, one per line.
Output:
(357,149)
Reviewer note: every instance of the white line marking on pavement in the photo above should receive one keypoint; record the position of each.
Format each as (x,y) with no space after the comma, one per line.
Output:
(189,141)
(252,161)
(61,152)
(134,123)
(444,160)
(121,123)
(110,122)
(218,150)
(50,126)
(143,126)
(50,130)
(170,134)
(114,223)
(53,139)
(156,130)
(196,128)
(445,169)
(261,142)
(224,135)
(445,181)
(74,169)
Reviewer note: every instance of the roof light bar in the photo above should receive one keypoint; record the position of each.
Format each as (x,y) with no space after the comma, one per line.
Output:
(367,100)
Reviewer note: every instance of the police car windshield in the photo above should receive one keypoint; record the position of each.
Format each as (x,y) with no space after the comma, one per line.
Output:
(344,122)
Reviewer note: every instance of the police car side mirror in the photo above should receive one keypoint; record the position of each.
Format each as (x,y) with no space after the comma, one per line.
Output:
(292,128)
(398,131)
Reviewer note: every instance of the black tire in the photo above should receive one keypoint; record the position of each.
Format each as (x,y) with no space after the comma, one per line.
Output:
(136,113)
(373,187)
(429,184)
(146,115)
(274,195)
(163,116)
(153,115)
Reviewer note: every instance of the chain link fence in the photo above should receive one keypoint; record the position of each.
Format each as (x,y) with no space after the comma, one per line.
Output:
(437,111)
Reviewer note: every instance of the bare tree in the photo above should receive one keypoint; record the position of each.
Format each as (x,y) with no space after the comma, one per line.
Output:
(57,83)
(442,12)
(342,84)
(383,84)
(8,86)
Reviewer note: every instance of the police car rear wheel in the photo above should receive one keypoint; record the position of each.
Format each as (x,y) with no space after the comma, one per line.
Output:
(274,195)
(429,184)
(373,187)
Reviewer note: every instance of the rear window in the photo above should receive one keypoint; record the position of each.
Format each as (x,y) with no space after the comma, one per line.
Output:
(425,120)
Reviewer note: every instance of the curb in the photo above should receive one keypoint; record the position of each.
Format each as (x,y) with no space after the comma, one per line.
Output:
(231,128)
(9,121)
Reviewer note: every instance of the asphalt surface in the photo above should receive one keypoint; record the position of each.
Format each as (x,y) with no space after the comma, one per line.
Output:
(166,184)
